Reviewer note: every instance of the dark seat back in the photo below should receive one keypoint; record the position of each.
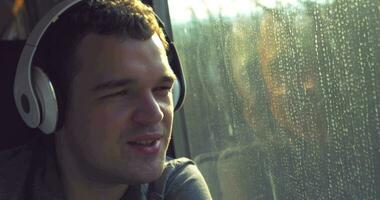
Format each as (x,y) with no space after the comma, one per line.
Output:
(13,131)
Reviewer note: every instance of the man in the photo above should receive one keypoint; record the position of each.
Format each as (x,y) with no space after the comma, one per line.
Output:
(108,61)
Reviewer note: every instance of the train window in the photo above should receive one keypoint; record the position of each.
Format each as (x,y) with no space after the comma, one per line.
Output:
(283,96)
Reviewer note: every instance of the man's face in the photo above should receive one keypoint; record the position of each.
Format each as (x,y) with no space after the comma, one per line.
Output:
(119,120)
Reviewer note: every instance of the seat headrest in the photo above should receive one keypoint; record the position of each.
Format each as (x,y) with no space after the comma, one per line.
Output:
(13,130)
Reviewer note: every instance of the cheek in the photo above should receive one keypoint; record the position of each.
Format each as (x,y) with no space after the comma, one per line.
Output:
(168,122)
(168,112)
(92,130)
(107,122)
(98,128)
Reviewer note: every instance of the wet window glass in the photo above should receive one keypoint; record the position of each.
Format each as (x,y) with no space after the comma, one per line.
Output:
(283,96)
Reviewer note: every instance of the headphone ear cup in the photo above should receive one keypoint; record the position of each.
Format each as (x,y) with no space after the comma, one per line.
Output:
(46,97)
(176,93)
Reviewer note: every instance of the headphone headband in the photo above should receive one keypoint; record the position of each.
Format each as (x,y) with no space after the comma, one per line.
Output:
(26,100)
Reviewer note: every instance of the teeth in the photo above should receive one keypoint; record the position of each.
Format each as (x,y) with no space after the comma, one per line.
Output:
(145,142)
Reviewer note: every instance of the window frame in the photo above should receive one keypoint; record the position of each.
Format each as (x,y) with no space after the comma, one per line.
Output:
(180,141)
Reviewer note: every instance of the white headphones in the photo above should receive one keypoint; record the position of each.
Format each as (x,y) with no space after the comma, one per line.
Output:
(33,91)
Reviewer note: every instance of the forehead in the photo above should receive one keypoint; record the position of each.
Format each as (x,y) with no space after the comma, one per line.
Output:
(104,57)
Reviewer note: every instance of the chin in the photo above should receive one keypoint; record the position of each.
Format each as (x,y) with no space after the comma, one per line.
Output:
(147,175)
(155,173)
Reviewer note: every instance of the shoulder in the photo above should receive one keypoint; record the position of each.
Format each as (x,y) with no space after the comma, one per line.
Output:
(179,163)
(182,179)
(14,167)
(11,158)
(182,171)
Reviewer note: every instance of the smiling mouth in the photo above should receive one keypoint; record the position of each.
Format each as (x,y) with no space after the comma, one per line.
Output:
(144,143)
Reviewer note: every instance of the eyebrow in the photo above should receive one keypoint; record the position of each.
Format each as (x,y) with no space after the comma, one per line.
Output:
(112,84)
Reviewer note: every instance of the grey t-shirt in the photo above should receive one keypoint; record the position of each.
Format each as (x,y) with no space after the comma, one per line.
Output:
(30,172)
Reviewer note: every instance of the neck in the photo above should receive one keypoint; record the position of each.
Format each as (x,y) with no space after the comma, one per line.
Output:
(79,184)
(78,189)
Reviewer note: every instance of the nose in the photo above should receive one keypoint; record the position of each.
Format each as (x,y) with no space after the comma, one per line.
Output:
(148,110)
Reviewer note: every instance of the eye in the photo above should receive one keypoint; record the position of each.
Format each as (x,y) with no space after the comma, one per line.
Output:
(163,90)
(117,94)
